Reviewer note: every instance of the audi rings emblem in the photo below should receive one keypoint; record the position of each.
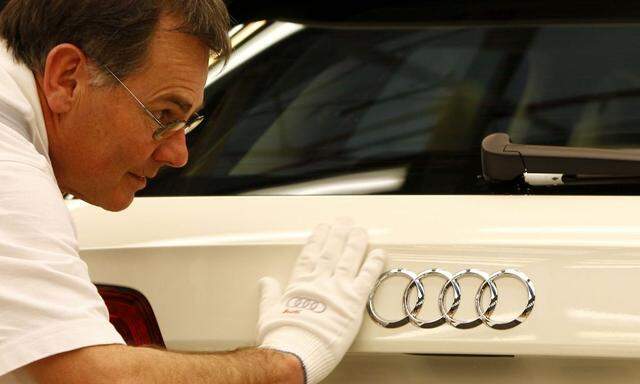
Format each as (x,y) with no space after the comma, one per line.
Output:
(447,314)
(305,303)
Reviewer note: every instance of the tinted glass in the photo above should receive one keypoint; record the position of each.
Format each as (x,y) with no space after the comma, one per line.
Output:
(328,104)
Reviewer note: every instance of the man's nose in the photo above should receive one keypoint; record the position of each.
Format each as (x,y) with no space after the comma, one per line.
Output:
(173,151)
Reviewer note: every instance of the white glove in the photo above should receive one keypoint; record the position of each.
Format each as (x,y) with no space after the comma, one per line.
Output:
(321,310)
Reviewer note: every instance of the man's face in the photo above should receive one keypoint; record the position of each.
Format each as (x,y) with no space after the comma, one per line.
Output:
(104,150)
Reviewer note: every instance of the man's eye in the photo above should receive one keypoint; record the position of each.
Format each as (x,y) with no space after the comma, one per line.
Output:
(166,117)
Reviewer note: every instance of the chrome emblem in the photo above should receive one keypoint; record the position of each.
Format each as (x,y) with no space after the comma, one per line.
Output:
(447,314)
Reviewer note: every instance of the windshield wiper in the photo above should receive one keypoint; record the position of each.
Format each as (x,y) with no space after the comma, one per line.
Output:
(541,165)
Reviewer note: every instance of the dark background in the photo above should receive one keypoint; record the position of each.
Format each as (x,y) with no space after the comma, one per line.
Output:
(460,10)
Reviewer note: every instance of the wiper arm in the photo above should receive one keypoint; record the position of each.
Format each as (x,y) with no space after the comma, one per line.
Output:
(556,165)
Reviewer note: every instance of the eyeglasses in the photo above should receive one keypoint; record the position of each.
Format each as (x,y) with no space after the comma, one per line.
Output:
(164,130)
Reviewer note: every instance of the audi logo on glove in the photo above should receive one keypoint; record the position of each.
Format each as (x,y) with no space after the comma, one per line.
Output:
(447,314)
(305,303)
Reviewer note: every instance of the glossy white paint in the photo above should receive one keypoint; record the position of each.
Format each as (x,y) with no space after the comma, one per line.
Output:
(198,261)
(366,368)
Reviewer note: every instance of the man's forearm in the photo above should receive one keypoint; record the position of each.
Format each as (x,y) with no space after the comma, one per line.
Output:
(122,365)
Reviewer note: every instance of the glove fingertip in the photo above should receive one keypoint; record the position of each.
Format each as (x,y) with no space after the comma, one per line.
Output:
(269,286)
(372,268)
(378,253)
(360,233)
(320,231)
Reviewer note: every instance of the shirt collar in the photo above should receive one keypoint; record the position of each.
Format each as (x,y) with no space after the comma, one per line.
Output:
(19,101)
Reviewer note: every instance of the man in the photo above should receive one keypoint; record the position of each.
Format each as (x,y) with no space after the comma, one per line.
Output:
(95,97)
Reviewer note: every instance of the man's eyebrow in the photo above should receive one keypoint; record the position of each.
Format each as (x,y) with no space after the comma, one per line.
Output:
(184,104)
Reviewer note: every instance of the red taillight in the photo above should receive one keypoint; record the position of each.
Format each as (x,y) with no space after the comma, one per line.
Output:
(131,315)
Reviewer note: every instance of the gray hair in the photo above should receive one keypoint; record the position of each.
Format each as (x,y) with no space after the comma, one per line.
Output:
(115,33)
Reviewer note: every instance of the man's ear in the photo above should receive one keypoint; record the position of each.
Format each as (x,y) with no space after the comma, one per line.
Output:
(66,72)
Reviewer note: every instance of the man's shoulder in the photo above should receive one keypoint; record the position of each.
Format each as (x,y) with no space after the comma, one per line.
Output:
(21,123)
(14,105)
(32,206)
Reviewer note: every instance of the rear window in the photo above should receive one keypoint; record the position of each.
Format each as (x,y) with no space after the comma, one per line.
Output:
(337,105)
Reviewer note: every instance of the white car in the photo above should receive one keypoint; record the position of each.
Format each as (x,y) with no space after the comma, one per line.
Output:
(379,115)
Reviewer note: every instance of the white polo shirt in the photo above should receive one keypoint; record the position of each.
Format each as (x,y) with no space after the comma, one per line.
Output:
(48,304)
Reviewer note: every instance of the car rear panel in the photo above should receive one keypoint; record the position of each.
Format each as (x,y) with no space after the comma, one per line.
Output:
(198,261)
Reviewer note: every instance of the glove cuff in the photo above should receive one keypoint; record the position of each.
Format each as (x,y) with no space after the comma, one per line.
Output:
(317,360)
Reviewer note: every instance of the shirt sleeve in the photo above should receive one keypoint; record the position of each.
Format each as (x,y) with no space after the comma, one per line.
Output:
(48,304)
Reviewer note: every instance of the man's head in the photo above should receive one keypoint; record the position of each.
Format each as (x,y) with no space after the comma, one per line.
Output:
(101,140)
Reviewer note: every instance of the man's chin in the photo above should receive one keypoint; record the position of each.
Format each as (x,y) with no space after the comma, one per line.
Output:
(115,203)
(116,207)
